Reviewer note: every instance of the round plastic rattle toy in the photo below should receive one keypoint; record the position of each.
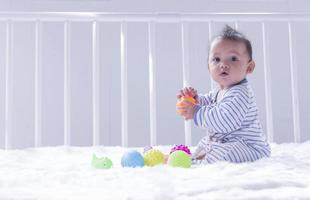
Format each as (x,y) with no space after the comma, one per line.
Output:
(180,159)
(154,157)
(132,158)
(180,102)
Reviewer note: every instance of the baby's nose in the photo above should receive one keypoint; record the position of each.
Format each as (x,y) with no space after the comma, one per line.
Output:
(223,65)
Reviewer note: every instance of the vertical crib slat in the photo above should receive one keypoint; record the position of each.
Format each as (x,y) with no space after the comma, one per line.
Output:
(152,82)
(268,97)
(185,65)
(67,83)
(8,83)
(124,83)
(95,84)
(38,85)
(211,28)
(294,82)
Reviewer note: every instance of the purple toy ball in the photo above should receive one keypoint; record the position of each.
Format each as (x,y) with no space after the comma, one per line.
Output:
(182,148)
(147,148)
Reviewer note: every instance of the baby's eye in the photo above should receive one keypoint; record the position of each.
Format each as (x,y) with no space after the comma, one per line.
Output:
(216,59)
(234,58)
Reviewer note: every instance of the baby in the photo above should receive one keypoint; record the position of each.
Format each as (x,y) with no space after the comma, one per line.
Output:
(228,113)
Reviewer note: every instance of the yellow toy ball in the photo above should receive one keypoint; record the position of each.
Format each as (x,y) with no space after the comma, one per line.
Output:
(154,157)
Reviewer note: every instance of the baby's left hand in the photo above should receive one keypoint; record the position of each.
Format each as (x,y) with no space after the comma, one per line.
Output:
(186,109)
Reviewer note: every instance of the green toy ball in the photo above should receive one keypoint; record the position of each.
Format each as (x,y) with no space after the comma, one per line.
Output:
(154,157)
(101,163)
(180,159)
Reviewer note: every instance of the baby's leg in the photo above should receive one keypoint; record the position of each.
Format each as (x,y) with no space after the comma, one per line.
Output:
(199,154)
(209,152)
(201,150)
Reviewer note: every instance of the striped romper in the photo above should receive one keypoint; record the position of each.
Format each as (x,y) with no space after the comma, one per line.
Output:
(234,132)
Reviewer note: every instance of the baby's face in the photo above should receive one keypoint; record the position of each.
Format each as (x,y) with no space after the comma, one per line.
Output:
(229,62)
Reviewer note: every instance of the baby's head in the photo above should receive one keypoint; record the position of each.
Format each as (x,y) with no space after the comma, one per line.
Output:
(230,57)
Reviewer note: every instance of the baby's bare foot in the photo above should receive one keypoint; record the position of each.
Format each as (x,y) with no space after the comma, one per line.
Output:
(166,158)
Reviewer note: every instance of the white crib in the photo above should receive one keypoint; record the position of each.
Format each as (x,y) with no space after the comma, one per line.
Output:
(84,79)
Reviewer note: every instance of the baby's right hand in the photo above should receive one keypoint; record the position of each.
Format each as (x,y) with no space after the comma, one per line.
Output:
(187,91)
(186,101)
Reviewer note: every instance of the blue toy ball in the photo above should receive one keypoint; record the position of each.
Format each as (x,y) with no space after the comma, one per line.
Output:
(132,159)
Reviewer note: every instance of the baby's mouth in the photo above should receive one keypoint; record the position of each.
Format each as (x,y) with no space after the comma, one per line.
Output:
(224,74)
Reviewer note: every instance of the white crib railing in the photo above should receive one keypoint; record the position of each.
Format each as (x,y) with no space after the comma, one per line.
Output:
(184,21)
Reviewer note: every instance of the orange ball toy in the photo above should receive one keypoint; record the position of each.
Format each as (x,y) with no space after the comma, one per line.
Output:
(180,102)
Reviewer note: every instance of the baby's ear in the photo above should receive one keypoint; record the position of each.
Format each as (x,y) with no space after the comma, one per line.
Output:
(251,67)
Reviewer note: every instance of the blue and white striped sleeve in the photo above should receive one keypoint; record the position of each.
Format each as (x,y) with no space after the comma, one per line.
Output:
(228,115)
(204,100)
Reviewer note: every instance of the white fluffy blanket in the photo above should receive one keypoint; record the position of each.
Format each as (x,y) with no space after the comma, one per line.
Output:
(65,173)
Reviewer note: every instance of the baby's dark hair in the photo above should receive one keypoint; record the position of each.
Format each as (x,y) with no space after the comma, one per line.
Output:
(229,33)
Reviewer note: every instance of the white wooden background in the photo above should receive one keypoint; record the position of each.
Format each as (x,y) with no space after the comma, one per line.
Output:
(59,67)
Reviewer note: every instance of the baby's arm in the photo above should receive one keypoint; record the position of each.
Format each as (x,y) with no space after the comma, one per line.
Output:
(203,100)
(225,117)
